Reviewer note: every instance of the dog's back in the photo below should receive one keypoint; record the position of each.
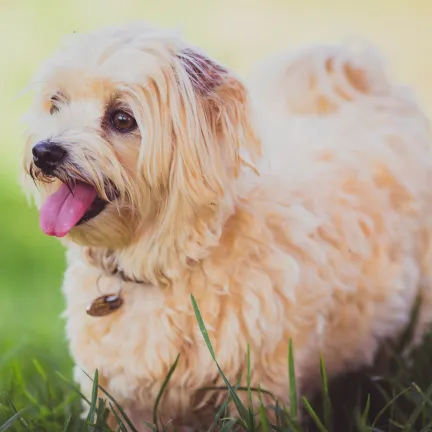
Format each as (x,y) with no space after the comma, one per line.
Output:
(331,114)
(319,79)
(325,97)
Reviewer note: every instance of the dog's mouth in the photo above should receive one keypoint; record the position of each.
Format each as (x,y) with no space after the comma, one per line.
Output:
(71,205)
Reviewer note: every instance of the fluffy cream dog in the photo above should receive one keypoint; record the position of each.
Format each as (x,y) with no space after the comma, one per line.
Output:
(147,159)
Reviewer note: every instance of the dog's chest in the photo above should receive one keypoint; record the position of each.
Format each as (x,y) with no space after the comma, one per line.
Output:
(137,343)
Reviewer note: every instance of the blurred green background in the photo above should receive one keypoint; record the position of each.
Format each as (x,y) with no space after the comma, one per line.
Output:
(237,32)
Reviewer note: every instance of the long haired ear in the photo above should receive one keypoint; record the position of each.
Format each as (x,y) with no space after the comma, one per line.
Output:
(213,134)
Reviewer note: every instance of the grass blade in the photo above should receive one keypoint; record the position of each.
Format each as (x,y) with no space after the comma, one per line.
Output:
(263,419)
(314,416)
(420,407)
(221,412)
(387,405)
(161,391)
(117,405)
(75,389)
(23,422)
(229,425)
(286,424)
(240,388)
(40,370)
(120,423)
(326,397)
(251,422)
(365,414)
(203,328)
(248,377)
(94,399)
(64,404)
(243,412)
(151,426)
(165,428)
(66,423)
(11,421)
(30,397)
(101,413)
(292,382)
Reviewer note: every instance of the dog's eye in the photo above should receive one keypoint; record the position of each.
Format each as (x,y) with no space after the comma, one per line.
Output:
(54,108)
(122,121)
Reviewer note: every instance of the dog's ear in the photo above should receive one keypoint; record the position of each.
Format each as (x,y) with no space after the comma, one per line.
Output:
(205,74)
(215,137)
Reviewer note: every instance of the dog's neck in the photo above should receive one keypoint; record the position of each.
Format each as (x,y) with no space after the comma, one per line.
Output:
(162,257)
(106,260)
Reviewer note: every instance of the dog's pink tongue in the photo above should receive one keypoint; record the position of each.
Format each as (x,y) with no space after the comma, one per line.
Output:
(63,209)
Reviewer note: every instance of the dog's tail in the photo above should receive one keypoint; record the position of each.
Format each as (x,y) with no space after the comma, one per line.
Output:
(320,80)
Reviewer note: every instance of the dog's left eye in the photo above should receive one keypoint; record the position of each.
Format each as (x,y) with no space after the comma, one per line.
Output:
(54,108)
(123,122)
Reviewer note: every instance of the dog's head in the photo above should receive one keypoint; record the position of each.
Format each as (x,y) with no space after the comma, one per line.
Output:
(131,128)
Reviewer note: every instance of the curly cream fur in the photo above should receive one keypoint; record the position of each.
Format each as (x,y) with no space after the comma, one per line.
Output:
(324,239)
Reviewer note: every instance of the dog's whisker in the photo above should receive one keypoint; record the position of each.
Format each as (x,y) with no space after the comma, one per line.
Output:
(69,187)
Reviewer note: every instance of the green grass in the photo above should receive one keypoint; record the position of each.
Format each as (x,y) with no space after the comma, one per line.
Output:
(398,399)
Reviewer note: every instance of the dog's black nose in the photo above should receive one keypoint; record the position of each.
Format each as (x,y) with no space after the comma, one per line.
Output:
(47,155)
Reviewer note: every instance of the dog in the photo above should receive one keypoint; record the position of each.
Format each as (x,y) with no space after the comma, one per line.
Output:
(295,206)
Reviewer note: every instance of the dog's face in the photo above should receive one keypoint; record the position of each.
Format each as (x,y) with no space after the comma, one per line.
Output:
(131,129)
